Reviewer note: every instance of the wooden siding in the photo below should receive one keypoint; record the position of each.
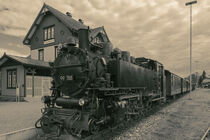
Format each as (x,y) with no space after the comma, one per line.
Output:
(41,85)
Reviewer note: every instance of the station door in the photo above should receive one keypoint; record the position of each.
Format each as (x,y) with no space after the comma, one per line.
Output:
(41,85)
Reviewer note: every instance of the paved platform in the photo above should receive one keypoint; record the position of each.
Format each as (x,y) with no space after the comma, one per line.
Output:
(18,115)
(185,119)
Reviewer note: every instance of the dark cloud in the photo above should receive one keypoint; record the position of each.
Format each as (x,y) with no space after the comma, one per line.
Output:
(4,9)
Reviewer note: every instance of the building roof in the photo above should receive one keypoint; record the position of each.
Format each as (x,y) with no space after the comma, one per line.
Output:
(67,20)
(94,32)
(70,23)
(25,61)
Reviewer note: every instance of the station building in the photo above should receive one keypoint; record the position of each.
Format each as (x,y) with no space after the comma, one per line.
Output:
(48,32)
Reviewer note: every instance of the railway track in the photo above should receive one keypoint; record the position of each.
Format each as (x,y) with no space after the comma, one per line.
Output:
(110,133)
(113,132)
(206,135)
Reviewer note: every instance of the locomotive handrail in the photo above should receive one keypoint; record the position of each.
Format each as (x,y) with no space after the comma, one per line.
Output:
(117,88)
(67,66)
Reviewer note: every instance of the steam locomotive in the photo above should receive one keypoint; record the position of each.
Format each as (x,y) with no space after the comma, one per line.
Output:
(95,86)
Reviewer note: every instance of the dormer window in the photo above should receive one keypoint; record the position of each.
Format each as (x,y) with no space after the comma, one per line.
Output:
(49,34)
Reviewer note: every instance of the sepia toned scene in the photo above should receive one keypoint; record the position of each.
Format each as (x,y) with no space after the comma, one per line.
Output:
(108,69)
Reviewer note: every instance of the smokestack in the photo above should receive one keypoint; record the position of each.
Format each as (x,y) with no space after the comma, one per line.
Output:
(83,39)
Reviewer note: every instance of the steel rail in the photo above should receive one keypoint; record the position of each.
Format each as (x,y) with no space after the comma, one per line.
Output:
(205,134)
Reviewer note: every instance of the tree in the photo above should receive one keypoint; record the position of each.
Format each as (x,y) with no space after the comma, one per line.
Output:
(204,75)
(201,78)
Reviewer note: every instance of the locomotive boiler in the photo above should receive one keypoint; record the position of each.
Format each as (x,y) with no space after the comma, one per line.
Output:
(95,87)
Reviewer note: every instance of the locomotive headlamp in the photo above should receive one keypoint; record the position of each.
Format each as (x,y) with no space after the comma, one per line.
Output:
(81,102)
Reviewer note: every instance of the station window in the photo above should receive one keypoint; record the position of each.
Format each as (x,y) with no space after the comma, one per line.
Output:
(11,78)
(41,54)
(49,33)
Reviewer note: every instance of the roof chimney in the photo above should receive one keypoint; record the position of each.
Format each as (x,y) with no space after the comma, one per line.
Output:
(69,14)
(81,21)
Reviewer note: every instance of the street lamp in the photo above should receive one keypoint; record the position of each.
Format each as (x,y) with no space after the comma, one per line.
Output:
(190,4)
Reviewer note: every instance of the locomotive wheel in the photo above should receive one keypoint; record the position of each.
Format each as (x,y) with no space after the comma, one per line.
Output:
(141,111)
(76,132)
(47,126)
(93,127)
(69,125)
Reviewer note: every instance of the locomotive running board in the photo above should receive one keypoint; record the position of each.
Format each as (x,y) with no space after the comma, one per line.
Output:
(130,96)
(68,66)
(156,99)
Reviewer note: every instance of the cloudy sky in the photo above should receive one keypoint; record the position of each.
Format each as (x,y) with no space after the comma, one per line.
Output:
(157,29)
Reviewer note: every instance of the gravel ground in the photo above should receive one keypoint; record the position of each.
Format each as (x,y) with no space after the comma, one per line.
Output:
(185,119)
(15,116)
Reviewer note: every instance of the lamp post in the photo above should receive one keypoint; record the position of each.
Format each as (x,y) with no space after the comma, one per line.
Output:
(190,4)
(196,66)
(196,72)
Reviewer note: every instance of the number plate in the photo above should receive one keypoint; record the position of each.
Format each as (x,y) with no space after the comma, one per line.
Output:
(69,77)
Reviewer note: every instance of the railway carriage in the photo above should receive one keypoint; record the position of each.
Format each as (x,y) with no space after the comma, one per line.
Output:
(173,84)
(185,85)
